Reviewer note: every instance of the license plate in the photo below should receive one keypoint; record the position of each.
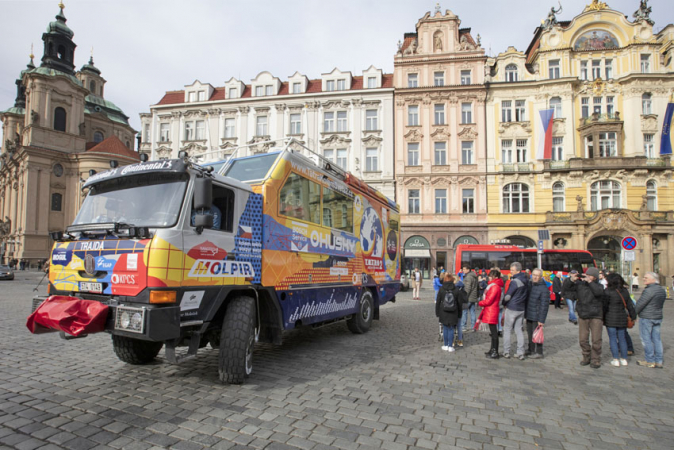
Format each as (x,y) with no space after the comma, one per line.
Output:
(91,287)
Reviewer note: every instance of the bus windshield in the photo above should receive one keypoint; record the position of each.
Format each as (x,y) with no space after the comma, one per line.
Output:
(145,200)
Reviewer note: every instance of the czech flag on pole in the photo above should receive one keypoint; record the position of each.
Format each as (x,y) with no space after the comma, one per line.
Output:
(544,127)
(666,141)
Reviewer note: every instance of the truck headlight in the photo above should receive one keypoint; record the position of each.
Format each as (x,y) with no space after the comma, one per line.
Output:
(130,319)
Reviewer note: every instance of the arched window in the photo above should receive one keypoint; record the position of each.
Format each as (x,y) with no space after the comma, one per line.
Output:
(60,119)
(92,87)
(646,103)
(558,197)
(605,194)
(61,52)
(98,137)
(511,72)
(128,145)
(652,195)
(56,201)
(556,105)
(516,198)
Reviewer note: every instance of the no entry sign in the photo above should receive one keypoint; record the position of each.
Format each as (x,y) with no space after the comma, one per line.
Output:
(629,243)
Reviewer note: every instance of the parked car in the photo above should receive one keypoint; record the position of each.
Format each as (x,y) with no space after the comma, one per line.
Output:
(6,273)
(404,282)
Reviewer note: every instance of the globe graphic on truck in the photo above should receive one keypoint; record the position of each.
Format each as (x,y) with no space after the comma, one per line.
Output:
(371,235)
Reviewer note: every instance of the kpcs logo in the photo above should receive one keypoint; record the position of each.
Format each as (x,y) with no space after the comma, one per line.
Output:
(123,279)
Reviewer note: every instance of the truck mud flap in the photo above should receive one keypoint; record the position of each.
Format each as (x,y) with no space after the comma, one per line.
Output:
(170,349)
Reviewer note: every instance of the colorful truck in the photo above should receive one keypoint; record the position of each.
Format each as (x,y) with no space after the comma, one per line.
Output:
(228,254)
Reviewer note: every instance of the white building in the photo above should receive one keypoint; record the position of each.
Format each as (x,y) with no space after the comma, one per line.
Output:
(348,119)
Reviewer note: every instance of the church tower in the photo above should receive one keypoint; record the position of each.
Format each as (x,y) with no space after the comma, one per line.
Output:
(59,48)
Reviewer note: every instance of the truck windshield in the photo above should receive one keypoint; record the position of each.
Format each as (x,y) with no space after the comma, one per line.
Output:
(252,168)
(147,200)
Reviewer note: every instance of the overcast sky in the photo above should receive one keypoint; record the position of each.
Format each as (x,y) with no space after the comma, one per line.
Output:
(147,47)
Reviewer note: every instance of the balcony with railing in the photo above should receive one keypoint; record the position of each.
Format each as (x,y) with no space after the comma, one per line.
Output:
(612,162)
(516,167)
(600,118)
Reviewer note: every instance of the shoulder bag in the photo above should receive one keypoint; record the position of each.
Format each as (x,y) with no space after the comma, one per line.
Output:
(630,322)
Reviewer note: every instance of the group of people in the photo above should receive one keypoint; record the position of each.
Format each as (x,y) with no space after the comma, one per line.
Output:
(595,300)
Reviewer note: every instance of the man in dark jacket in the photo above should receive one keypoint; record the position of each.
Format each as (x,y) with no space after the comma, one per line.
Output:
(515,302)
(470,286)
(537,310)
(590,309)
(570,295)
(557,289)
(649,309)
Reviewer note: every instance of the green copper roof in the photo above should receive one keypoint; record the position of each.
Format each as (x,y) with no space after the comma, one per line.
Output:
(54,73)
(15,110)
(95,104)
(59,26)
(90,66)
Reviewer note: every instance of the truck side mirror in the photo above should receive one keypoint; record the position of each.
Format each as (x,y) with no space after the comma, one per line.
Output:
(203,193)
(202,221)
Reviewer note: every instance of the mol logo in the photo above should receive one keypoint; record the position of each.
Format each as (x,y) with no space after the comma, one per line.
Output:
(216,268)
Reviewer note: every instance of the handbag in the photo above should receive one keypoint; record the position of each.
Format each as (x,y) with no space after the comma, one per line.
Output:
(630,322)
(538,336)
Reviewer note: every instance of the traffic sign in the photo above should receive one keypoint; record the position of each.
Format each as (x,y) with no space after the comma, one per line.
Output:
(629,243)
(630,255)
(540,246)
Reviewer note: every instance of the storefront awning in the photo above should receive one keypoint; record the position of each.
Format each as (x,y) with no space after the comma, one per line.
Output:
(417,253)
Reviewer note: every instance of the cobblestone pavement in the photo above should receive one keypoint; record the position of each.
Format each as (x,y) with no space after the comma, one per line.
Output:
(391,388)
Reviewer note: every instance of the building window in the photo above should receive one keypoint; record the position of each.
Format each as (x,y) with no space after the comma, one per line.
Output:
(441,201)
(605,194)
(596,69)
(56,202)
(230,130)
(92,87)
(261,126)
(589,147)
(646,103)
(440,153)
(146,133)
(341,158)
(467,152)
(649,145)
(465,77)
(608,69)
(98,137)
(522,150)
(412,80)
(557,148)
(164,132)
(652,195)
(371,82)
(295,124)
(341,121)
(439,114)
(558,196)
(468,200)
(200,130)
(585,107)
(329,122)
(341,85)
(371,120)
(371,160)
(556,105)
(610,106)
(413,201)
(269,90)
(413,154)
(608,145)
(189,131)
(583,70)
(297,88)
(596,105)
(516,198)
(438,78)
(330,85)
(192,97)
(466,113)
(511,73)
(645,63)
(413,115)
(259,91)
(202,96)
(553,69)
(520,111)
(507,151)
(506,111)
(233,93)
(60,119)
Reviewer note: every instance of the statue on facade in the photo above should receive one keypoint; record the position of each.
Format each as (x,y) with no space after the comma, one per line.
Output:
(412,48)
(643,13)
(552,17)
(5,227)
(644,203)
(579,199)
(437,42)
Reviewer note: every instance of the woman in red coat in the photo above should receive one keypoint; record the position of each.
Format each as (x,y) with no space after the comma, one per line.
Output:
(491,306)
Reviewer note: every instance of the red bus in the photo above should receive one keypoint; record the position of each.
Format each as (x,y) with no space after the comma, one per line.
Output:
(485,257)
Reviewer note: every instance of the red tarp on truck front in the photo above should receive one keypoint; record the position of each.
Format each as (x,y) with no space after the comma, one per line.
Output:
(70,314)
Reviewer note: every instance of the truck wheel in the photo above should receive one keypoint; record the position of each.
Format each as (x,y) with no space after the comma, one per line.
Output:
(237,339)
(360,323)
(135,351)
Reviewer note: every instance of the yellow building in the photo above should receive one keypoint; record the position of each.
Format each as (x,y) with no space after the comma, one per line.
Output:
(608,80)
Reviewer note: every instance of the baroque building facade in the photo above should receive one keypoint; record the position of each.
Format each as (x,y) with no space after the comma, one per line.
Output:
(348,119)
(608,80)
(441,156)
(60,127)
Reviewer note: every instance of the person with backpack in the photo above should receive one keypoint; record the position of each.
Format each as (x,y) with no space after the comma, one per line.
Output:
(491,305)
(448,310)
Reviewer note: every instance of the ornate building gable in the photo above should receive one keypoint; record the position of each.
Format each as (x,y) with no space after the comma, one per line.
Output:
(335,141)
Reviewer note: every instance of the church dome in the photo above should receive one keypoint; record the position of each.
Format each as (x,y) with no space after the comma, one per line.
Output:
(59,25)
(89,67)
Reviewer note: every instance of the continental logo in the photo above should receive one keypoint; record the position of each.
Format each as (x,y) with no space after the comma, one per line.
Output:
(225,269)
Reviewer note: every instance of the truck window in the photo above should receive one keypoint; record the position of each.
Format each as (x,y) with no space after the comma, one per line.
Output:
(337,210)
(222,209)
(300,199)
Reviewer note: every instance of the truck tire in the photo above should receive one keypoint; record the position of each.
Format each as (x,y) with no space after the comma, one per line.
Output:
(361,321)
(135,351)
(237,339)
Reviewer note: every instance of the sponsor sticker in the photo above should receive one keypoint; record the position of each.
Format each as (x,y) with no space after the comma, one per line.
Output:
(225,269)
(123,279)
(339,271)
(132,261)
(191,300)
